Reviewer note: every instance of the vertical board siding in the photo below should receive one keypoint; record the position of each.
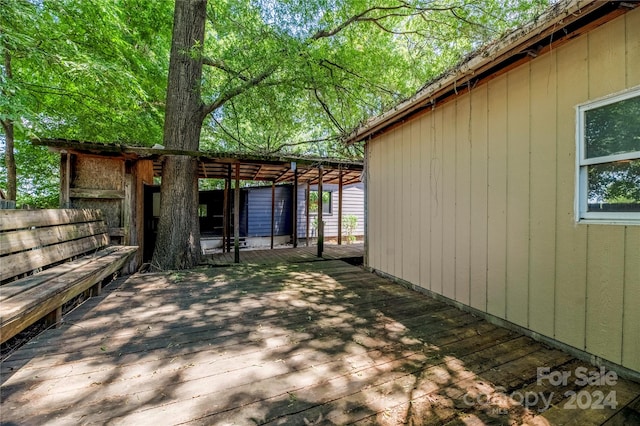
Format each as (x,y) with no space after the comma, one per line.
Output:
(425,198)
(415,217)
(542,197)
(518,195)
(373,200)
(479,201)
(571,240)
(399,202)
(607,68)
(383,208)
(633,47)
(449,200)
(497,197)
(389,226)
(462,213)
(474,200)
(605,277)
(631,297)
(436,201)
(409,248)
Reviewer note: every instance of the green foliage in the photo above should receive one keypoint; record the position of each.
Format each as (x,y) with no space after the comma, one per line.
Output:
(289,76)
(38,175)
(349,224)
(88,70)
(616,182)
(611,130)
(331,64)
(313,200)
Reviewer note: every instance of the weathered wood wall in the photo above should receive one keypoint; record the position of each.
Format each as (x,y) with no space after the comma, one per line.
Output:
(113,185)
(475,200)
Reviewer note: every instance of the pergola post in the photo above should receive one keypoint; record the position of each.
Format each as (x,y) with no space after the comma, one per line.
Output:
(65,179)
(236,216)
(273,210)
(320,222)
(227,211)
(225,215)
(340,207)
(306,211)
(295,207)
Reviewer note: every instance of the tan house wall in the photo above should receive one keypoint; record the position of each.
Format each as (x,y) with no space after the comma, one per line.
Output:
(474,201)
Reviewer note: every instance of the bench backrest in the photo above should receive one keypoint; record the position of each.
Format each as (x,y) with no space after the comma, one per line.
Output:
(35,239)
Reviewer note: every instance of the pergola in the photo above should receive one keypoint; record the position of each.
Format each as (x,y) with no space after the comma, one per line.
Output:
(234,167)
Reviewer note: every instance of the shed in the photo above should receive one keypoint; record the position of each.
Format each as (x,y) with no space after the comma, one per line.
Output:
(491,187)
(119,180)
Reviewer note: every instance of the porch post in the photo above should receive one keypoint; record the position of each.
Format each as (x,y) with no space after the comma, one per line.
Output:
(340,208)
(65,179)
(306,211)
(236,216)
(273,210)
(228,210)
(320,223)
(295,208)
(225,214)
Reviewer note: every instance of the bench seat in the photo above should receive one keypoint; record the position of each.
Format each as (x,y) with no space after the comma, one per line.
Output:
(64,260)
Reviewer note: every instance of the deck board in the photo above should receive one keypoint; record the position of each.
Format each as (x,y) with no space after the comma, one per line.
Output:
(288,255)
(319,342)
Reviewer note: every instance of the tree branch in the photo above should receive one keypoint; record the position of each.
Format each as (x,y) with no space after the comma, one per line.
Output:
(406,10)
(221,65)
(326,109)
(279,148)
(238,90)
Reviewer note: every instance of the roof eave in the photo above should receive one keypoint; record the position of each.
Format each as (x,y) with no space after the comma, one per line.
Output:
(556,18)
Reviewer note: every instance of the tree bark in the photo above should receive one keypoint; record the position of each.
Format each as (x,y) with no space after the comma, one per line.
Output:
(7,125)
(10,161)
(178,240)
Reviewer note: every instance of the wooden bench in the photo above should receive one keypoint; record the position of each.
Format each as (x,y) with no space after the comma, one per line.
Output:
(48,257)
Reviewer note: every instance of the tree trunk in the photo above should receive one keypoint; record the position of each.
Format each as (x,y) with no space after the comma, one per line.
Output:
(7,125)
(10,161)
(178,241)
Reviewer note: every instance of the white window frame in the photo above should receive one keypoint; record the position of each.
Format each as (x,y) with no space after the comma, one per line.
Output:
(582,192)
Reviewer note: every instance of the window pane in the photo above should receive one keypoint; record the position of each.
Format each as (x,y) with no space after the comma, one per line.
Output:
(614,187)
(613,129)
(326,202)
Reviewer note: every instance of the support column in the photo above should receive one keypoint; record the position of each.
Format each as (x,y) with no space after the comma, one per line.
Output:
(225,215)
(65,180)
(306,211)
(228,212)
(236,216)
(320,222)
(273,211)
(340,208)
(295,208)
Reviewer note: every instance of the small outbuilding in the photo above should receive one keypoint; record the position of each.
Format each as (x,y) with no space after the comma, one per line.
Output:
(120,180)
(511,185)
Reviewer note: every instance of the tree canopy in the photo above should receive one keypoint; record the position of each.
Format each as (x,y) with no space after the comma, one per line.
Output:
(279,75)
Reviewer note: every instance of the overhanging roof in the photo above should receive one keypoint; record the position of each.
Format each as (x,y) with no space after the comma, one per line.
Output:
(217,165)
(564,21)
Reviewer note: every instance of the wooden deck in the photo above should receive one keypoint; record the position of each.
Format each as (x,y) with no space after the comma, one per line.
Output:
(288,255)
(306,343)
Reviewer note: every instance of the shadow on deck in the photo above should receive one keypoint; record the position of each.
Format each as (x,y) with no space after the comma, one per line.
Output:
(298,343)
